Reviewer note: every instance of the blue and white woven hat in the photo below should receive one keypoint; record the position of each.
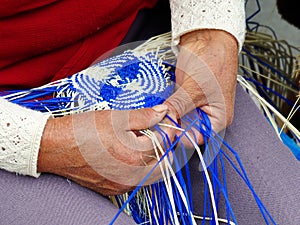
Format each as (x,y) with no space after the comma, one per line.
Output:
(131,80)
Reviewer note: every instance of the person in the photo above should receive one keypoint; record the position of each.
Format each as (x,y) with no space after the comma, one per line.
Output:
(43,41)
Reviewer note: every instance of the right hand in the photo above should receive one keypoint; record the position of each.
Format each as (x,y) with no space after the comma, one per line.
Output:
(206,70)
(100,149)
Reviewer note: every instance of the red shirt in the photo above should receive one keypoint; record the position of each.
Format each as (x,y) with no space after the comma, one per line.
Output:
(45,40)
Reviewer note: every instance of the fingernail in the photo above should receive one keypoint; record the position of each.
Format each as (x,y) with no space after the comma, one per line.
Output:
(160,108)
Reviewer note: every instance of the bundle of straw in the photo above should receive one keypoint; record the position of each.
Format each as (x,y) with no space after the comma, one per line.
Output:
(269,70)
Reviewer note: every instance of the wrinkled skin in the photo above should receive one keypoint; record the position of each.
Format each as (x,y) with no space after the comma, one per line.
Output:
(101,150)
(206,73)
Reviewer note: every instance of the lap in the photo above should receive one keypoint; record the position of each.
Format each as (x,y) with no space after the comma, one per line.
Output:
(52,200)
(271,167)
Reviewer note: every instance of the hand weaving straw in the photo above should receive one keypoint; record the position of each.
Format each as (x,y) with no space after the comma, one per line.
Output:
(138,78)
(144,77)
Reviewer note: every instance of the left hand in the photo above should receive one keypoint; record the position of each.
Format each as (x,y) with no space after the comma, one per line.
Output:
(100,149)
(206,73)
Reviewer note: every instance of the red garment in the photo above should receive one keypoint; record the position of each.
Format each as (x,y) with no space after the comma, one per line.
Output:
(46,40)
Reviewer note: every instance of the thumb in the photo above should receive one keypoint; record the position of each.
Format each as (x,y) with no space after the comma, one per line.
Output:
(188,94)
(181,102)
(145,118)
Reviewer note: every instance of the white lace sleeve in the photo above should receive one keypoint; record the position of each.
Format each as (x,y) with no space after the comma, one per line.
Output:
(189,15)
(20,135)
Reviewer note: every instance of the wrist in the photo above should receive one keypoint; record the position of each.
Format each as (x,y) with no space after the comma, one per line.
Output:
(55,139)
(206,36)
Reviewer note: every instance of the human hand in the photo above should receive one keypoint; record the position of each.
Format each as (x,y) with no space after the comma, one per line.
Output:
(206,72)
(100,150)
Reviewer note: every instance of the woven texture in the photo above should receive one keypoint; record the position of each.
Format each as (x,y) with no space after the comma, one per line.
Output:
(21,133)
(122,82)
(189,15)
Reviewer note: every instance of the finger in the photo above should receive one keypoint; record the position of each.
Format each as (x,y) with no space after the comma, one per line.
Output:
(191,92)
(198,84)
(191,137)
(138,119)
(147,117)
(180,102)
(156,167)
(167,127)
(192,127)
(141,119)
(162,135)
(217,116)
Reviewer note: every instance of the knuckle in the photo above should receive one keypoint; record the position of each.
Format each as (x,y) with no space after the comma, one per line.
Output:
(177,105)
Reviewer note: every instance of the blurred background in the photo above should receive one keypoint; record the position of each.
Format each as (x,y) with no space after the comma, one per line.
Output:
(270,16)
